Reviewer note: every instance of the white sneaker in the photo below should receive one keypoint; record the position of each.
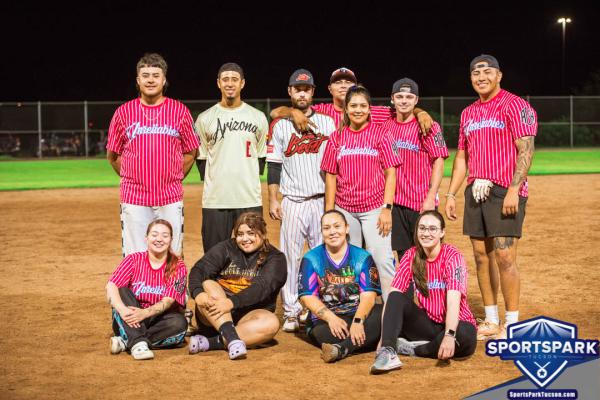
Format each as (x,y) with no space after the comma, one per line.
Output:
(406,347)
(290,324)
(386,360)
(117,345)
(140,351)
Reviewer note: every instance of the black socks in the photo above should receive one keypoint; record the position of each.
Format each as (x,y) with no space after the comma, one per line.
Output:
(228,332)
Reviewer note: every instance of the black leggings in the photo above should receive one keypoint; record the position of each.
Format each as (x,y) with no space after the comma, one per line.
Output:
(320,333)
(403,318)
(163,330)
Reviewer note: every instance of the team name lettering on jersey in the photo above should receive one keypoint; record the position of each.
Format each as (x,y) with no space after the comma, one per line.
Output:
(367,151)
(435,284)
(136,129)
(141,287)
(232,125)
(472,126)
(304,144)
(400,144)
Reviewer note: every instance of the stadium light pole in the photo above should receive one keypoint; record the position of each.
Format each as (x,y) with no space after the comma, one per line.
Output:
(563,21)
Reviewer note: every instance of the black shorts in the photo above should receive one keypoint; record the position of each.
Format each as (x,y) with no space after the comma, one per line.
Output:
(403,227)
(236,315)
(486,220)
(217,223)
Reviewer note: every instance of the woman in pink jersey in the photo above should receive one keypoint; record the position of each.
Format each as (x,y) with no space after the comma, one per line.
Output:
(147,295)
(361,179)
(441,325)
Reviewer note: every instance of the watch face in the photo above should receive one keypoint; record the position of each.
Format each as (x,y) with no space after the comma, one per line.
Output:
(357,320)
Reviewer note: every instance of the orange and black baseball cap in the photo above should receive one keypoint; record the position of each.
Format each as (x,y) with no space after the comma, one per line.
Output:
(483,59)
(343,73)
(302,77)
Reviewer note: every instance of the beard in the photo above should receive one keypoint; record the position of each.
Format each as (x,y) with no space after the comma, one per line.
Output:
(302,106)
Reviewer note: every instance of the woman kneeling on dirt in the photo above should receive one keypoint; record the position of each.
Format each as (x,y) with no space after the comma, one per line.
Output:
(235,286)
(147,295)
(441,325)
(338,283)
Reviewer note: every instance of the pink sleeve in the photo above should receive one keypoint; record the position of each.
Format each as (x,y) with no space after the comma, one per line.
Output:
(404,272)
(321,107)
(175,288)
(521,118)
(434,143)
(461,135)
(329,162)
(187,130)
(116,134)
(455,269)
(122,275)
(390,157)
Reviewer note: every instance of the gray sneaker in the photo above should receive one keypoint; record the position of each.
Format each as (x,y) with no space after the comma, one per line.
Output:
(406,347)
(386,360)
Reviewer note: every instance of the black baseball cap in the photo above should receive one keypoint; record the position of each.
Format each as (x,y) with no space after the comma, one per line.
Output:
(342,73)
(406,85)
(484,58)
(302,77)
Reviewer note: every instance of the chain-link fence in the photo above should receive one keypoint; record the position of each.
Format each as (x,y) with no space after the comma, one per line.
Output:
(52,129)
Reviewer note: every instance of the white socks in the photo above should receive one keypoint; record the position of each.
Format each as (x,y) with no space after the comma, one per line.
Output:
(491,314)
(510,317)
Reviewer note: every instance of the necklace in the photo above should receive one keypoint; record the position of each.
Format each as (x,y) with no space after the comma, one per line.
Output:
(156,116)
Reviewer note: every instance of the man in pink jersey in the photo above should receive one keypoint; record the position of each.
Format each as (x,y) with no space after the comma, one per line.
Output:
(151,146)
(418,178)
(495,144)
(341,80)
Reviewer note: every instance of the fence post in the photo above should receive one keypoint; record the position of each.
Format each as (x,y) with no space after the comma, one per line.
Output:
(571,119)
(85,127)
(442,112)
(39,121)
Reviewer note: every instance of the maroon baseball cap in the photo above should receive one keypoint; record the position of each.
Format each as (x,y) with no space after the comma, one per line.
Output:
(343,73)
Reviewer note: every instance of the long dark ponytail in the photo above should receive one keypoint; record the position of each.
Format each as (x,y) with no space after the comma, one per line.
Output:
(419,263)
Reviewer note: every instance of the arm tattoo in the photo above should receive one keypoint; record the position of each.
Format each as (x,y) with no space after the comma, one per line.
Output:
(321,312)
(503,243)
(525,149)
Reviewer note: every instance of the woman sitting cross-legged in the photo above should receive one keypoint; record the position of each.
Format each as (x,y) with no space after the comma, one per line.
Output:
(338,283)
(441,325)
(235,286)
(147,295)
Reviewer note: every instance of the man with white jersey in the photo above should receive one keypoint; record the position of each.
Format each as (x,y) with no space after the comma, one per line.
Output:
(294,164)
(418,178)
(233,138)
(340,81)
(151,146)
(495,144)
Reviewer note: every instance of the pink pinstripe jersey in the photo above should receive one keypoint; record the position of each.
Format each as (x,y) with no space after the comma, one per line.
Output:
(447,272)
(379,114)
(418,154)
(148,284)
(358,159)
(151,141)
(488,132)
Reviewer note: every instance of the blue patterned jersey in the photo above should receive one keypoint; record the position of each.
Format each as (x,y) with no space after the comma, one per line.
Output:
(338,285)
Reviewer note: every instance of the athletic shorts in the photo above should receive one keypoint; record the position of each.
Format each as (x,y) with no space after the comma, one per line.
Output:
(486,220)
(236,315)
(403,227)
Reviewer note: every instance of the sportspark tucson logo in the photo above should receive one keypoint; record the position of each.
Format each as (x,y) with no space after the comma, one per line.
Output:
(542,348)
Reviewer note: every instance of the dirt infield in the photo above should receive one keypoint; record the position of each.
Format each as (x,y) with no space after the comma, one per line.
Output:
(60,247)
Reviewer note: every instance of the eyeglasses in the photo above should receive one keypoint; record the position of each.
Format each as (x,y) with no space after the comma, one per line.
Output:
(432,229)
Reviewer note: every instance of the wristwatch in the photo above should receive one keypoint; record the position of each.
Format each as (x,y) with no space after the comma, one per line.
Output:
(388,206)
(451,333)
(357,320)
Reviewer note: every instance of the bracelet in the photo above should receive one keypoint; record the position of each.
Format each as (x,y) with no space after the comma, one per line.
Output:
(452,195)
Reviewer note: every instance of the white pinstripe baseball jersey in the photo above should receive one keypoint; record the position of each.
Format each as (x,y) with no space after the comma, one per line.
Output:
(300,155)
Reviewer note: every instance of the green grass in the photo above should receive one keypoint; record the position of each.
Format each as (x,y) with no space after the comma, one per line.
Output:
(54,174)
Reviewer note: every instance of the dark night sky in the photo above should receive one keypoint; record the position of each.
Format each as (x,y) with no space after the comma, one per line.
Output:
(53,52)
